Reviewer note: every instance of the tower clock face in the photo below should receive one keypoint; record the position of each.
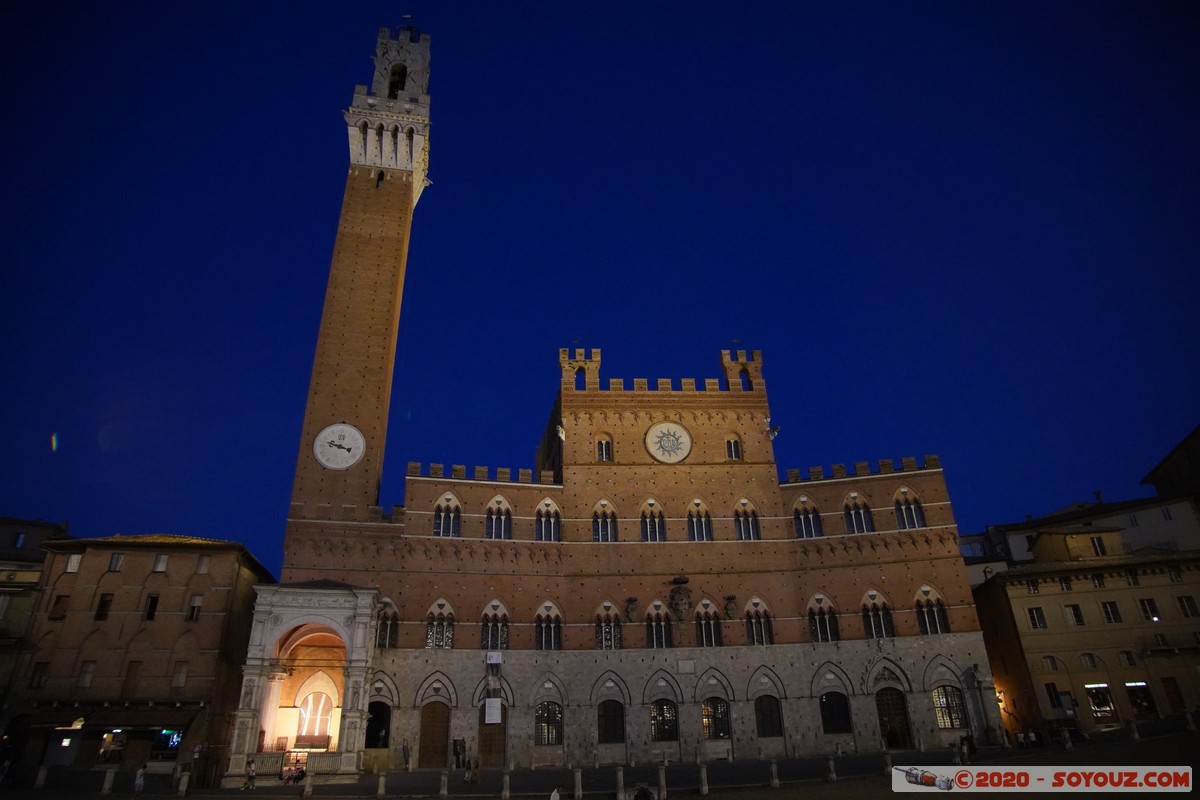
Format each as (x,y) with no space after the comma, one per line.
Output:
(340,446)
(668,442)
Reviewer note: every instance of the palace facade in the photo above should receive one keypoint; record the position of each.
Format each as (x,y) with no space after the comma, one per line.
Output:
(651,589)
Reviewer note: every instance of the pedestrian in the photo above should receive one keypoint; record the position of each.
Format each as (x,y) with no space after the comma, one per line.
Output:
(475,771)
(406,753)
(139,779)
(556,794)
(971,745)
(1021,739)
(1033,740)
(249,784)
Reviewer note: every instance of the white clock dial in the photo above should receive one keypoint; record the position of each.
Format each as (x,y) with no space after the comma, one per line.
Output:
(669,442)
(339,446)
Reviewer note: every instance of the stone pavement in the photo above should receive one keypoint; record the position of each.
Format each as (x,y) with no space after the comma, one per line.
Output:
(859,776)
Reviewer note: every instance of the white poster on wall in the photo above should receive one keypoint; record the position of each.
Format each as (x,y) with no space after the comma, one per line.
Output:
(491,711)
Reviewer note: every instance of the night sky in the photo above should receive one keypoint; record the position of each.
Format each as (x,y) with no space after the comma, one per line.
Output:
(969,229)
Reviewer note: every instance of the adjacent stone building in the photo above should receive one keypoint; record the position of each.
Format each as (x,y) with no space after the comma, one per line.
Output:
(134,657)
(649,589)
(1088,635)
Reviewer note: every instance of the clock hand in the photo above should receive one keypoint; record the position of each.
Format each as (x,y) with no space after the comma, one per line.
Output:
(339,446)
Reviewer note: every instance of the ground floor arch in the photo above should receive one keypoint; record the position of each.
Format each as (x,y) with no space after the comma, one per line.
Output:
(493,737)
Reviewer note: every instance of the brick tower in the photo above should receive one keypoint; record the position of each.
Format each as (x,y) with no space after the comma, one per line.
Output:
(340,462)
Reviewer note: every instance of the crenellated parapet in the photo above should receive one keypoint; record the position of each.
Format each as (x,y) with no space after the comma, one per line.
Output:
(416,469)
(581,372)
(862,469)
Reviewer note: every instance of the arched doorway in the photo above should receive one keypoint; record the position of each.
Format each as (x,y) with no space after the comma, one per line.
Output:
(492,738)
(893,718)
(433,749)
(379,725)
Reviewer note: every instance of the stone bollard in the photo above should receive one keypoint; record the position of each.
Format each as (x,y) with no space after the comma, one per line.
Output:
(578,783)
(505,791)
(887,761)
(832,776)
(109,774)
(1067,740)
(774,774)
(444,789)
(662,782)
(1133,731)
(40,781)
(704,779)
(620,783)
(1191,721)
(184,780)
(1003,736)
(381,791)
(308,783)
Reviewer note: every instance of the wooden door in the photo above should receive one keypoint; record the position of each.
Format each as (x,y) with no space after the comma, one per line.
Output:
(893,718)
(433,748)
(492,739)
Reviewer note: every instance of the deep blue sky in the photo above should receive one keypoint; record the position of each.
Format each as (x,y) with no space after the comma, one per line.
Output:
(969,229)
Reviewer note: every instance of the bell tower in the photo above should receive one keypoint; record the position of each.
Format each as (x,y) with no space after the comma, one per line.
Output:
(340,461)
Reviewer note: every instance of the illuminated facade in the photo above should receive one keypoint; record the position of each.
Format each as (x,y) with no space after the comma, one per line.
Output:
(649,589)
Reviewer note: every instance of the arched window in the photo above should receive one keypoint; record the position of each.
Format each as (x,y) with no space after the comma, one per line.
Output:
(397,80)
(664,721)
(733,448)
(498,523)
(580,380)
(547,525)
(493,630)
(699,526)
(387,629)
(548,723)
(758,627)
(604,449)
(610,722)
(315,711)
(908,513)
(807,522)
(658,630)
(439,627)
(604,526)
(745,522)
(823,624)
(949,708)
(768,717)
(654,525)
(877,621)
(858,516)
(835,713)
(608,631)
(931,617)
(447,519)
(547,629)
(708,629)
(714,718)
(747,384)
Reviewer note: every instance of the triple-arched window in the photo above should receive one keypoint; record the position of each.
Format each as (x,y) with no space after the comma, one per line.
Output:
(858,515)
(745,524)
(807,521)
(447,519)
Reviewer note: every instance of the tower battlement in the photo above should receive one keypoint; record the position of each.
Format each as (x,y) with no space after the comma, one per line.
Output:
(581,372)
